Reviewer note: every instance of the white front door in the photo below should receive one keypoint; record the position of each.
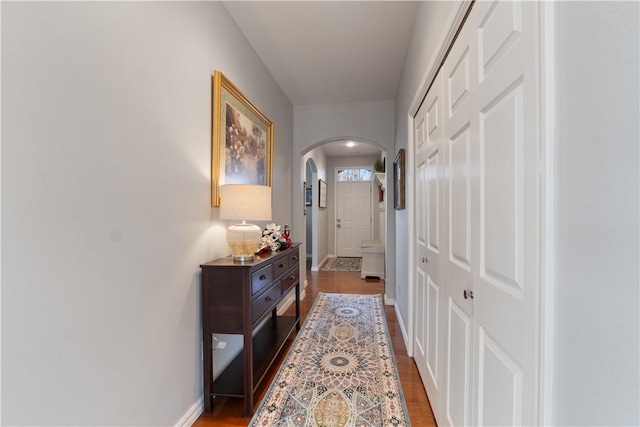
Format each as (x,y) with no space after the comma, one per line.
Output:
(353,217)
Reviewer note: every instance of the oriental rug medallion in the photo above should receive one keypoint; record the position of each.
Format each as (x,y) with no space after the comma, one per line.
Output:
(340,370)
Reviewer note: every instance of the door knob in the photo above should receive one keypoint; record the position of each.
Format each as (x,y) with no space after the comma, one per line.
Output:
(425,259)
(468,294)
(338,225)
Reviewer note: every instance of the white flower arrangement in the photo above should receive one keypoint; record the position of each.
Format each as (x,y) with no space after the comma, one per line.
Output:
(273,239)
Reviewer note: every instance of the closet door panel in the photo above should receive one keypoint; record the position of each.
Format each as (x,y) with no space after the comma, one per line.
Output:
(461,156)
(459,355)
(507,282)
(429,160)
(501,147)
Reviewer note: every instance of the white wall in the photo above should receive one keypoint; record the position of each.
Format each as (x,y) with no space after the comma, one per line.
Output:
(433,20)
(320,217)
(596,356)
(367,121)
(105,203)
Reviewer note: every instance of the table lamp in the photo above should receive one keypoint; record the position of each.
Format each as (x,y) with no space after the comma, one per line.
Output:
(244,202)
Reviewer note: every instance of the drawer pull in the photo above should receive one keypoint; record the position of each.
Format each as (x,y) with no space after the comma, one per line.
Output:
(267,299)
(263,277)
(295,258)
(281,266)
(292,277)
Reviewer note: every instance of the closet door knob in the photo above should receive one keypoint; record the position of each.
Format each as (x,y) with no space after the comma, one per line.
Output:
(468,294)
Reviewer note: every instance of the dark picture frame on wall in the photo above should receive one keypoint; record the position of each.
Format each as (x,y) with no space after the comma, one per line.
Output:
(304,197)
(322,194)
(307,196)
(399,181)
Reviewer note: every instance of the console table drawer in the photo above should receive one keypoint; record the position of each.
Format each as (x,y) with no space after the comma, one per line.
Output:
(281,265)
(265,301)
(261,278)
(293,258)
(290,279)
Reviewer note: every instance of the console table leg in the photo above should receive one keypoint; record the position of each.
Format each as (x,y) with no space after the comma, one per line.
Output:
(207,370)
(298,306)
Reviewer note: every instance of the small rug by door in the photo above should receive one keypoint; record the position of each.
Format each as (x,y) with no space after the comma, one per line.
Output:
(340,370)
(343,264)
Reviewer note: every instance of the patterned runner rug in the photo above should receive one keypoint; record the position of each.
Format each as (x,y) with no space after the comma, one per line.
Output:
(343,264)
(340,370)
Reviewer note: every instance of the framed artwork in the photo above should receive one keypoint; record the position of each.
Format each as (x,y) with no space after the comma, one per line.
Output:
(322,192)
(398,181)
(307,196)
(241,140)
(304,197)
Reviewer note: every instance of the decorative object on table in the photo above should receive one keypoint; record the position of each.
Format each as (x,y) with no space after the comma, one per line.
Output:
(322,194)
(342,264)
(241,142)
(244,202)
(274,238)
(339,371)
(398,181)
(378,165)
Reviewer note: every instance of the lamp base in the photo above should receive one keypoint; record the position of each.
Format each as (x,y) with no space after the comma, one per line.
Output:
(244,240)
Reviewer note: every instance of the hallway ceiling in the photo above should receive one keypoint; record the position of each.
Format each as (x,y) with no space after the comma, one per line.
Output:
(329,51)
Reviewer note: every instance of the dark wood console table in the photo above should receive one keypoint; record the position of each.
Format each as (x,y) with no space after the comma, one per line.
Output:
(236,299)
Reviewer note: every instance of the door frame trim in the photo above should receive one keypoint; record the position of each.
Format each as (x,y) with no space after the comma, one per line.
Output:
(547,178)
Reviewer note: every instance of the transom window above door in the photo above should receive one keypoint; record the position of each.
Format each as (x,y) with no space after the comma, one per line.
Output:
(354,174)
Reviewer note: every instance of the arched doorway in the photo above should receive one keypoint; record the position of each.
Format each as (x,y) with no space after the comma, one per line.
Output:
(323,161)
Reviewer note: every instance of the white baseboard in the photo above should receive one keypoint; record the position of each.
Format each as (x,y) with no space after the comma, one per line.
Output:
(291,298)
(192,414)
(389,301)
(317,267)
(286,303)
(405,337)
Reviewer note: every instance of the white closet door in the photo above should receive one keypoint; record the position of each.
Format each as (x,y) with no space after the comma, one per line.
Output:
(507,203)
(477,221)
(428,243)
(462,161)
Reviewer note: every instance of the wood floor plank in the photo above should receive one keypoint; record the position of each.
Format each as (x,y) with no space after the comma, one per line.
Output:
(228,411)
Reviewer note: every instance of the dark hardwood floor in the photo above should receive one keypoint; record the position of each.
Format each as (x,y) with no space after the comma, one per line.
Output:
(228,411)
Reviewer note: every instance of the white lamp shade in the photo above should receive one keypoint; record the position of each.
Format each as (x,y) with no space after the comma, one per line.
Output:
(245,202)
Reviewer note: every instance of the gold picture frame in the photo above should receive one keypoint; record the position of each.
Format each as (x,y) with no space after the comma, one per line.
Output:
(241,139)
